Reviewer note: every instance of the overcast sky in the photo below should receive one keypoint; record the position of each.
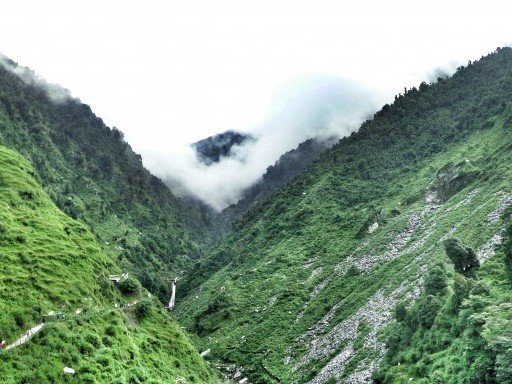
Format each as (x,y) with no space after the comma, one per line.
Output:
(171,72)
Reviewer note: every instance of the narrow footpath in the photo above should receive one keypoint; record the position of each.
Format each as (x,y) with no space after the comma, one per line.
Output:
(26,336)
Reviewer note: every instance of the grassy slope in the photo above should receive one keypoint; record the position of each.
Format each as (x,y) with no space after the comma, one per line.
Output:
(93,175)
(51,262)
(252,301)
(289,165)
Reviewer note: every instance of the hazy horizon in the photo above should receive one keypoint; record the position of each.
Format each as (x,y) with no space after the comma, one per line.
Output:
(168,74)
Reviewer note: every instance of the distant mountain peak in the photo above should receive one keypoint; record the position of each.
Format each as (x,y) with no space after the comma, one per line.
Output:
(214,148)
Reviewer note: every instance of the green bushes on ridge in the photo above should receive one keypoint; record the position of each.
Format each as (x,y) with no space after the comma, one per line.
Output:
(469,340)
(94,176)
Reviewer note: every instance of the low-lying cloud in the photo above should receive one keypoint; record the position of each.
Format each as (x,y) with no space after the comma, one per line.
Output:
(314,106)
(54,91)
(443,72)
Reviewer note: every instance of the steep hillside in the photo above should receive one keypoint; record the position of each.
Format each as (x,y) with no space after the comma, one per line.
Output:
(94,176)
(208,226)
(285,168)
(460,333)
(303,288)
(54,271)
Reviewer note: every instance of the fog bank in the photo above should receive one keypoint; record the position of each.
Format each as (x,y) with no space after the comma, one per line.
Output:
(313,106)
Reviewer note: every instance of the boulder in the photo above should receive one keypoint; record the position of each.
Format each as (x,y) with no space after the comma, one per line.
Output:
(452,178)
(237,375)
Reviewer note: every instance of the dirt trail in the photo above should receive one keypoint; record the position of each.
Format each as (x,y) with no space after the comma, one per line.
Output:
(26,336)
(32,331)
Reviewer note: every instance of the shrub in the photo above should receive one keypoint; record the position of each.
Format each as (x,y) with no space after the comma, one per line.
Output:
(400,312)
(88,378)
(137,375)
(436,281)
(463,258)
(19,319)
(93,339)
(353,271)
(461,288)
(143,308)
(111,330)
(428,307)
(85,348)
(129,286)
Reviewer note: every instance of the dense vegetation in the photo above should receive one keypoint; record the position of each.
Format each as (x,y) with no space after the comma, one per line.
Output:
(355,233)
(286,168)
(94,176)
(385,251)
(461,336)
(52,263)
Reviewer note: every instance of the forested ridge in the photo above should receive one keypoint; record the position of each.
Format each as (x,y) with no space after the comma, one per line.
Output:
(93,175)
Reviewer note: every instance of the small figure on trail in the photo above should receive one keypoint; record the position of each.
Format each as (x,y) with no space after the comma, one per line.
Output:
(3,344)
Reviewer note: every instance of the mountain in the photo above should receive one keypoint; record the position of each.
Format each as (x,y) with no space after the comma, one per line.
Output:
(207,226)
(383,257)
(387,257)
(289,165)
(214,148)
(93,175)
(55,282)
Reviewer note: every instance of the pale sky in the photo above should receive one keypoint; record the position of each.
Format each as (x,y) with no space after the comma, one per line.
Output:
(171,72)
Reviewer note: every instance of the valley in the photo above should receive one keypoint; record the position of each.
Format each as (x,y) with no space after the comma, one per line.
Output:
(382,257)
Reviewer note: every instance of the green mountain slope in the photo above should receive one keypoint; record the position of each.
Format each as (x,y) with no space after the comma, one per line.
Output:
(52,263)
(306,284)
(289,165)
(208,226)
(94,176)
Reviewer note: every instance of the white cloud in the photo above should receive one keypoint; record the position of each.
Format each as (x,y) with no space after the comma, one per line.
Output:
(168,73)
(310,106)
(54,91)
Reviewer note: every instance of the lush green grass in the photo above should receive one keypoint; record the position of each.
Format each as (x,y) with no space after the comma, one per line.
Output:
(93,175)
(244,300)
(51,262)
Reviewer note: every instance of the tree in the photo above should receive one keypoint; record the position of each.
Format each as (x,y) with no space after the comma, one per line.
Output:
(400,312)
(461,288)
(428,308)
(143,308)
(436,281)
(498,334)
(463,258)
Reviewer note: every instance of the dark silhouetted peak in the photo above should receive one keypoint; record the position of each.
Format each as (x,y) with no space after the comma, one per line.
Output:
(213,148)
